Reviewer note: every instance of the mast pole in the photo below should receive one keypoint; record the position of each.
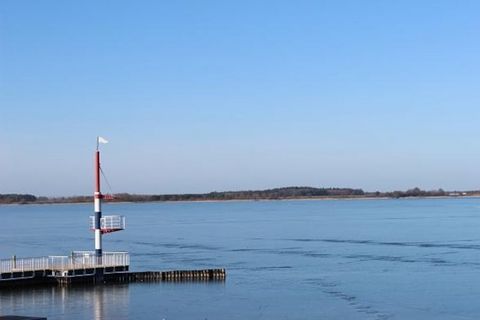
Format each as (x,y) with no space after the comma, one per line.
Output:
(97,201)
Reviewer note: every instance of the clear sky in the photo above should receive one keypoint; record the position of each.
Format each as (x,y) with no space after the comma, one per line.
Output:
(197,96)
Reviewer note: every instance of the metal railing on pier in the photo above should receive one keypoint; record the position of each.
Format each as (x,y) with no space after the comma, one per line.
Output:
(23,264)
(77,260)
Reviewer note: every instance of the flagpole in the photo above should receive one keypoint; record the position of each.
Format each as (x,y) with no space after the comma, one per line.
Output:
(97,198)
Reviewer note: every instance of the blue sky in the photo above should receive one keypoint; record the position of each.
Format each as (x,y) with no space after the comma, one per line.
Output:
(197,96)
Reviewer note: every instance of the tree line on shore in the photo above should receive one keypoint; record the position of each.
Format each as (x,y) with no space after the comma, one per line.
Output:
(269,194)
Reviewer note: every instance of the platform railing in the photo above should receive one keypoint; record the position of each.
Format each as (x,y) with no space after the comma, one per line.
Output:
(77,260)
(109,223)
(23,264)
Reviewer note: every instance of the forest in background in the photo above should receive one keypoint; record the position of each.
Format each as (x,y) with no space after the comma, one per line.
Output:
(269,194)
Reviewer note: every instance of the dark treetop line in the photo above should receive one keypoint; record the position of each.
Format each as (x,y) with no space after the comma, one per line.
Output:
(269,194)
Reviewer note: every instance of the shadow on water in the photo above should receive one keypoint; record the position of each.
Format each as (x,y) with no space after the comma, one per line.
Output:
(332,289)
(398,244)
(425,258)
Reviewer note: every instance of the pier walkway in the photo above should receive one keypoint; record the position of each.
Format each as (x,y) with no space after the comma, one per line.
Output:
(85,267)
(79,262)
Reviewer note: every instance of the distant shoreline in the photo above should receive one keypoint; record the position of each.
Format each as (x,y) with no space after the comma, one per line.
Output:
(248,200)
(284,193)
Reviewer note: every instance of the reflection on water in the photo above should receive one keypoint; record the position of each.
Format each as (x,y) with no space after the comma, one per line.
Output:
(153,300)
(80,302)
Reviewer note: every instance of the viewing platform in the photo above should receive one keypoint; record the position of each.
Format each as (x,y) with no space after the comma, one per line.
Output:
(109,224)
(85,267)
(61,269)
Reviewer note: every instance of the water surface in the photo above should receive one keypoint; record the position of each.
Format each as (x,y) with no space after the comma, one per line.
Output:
(362,259)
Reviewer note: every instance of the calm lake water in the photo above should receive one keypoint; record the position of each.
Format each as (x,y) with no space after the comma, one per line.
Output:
(370,259)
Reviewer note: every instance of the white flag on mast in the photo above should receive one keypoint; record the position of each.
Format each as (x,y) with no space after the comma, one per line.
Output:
(102,140)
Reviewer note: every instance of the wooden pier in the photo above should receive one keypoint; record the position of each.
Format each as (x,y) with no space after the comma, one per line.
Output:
(38,278)
(84,267)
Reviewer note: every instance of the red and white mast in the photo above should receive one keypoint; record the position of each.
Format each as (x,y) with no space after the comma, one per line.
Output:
(97,201)
(99,224)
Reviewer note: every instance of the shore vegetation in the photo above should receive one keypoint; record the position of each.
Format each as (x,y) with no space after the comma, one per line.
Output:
(268,194)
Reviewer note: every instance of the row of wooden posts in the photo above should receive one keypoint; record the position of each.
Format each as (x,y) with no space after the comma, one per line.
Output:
(180,275)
